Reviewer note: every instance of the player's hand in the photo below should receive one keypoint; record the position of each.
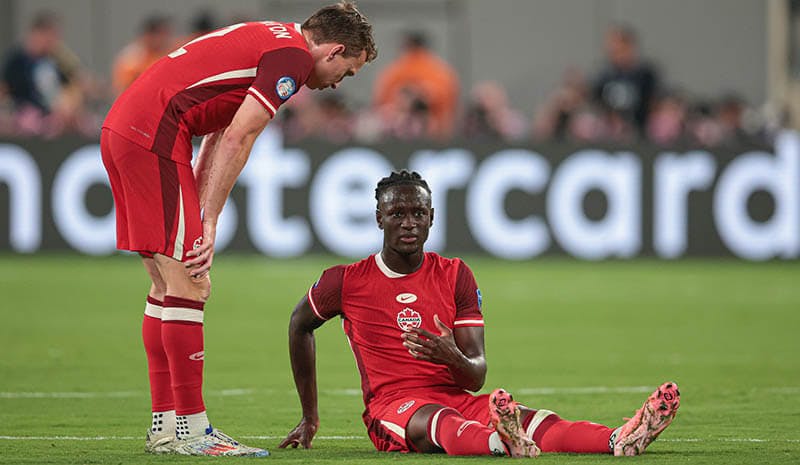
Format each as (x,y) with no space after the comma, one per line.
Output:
(424,345)
(203,255)
(301,435)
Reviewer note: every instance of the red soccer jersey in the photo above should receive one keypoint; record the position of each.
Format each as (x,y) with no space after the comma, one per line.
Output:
(196,89)
(377,305)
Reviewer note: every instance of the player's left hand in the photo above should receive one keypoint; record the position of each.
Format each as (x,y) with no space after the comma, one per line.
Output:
(302,435)
(203,255)
(424,345)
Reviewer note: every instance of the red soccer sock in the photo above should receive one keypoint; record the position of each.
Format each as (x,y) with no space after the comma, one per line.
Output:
(455,434)
(157,364)
(556,435)
(182,335)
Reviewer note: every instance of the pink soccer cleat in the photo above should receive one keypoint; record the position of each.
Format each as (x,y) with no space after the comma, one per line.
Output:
(504,412)
(649,421)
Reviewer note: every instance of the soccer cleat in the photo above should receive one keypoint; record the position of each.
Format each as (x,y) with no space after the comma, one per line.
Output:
(215,442)
(649,421)
(159,444)
(504,412)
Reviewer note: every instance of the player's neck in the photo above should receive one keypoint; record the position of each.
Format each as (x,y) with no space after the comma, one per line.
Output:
(400,263)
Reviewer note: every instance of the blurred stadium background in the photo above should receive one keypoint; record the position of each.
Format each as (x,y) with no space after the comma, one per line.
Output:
(620,174)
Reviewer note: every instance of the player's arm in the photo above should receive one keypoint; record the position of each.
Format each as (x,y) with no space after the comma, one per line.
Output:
(224,166)
(203,163)
(302,353)
(461,350)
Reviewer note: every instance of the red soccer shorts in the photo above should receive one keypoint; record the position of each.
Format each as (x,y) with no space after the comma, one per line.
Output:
(386,421)
(157,205)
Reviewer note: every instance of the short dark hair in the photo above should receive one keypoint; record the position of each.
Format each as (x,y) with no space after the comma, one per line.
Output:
(155,23)
(45,21)
(398,178)
(343,23)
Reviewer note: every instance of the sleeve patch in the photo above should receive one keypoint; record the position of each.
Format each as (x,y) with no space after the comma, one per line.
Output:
(285,87)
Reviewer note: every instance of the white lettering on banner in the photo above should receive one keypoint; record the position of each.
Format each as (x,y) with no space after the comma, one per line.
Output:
(619,177)
(82,230)
(19,172)
(780,176)
(674,177)
(341,201)
(270,170)
(342,197)
(444,170)
(486,216)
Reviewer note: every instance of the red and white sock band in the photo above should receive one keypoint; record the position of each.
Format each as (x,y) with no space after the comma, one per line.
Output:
(178,309)
(153,308)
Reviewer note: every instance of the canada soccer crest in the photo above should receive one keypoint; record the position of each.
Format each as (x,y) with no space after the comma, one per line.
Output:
(408,319)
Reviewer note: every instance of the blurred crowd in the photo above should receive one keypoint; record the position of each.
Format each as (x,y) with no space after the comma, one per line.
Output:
(46,91)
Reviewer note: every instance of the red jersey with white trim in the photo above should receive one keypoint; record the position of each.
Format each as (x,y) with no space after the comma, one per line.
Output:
(377,305)
(196,89)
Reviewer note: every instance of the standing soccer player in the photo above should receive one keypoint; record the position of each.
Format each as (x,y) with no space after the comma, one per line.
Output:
(413,320)
(226,86)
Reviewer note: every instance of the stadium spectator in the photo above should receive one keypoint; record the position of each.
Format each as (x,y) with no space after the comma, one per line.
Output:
(43,79)
(489,115)
(553,119)
(202,23)
(667,121)
(154,41)
(146,146)
(413,320)
(419,86)
(626,84)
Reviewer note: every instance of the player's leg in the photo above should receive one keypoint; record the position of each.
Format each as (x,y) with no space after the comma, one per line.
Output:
(162,430)
(554,434)
(182,318)
(116,150)
(435,427)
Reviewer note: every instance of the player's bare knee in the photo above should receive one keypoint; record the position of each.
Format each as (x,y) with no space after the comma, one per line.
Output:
(203,288)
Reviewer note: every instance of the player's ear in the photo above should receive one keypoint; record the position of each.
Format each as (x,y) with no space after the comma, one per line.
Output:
(431,216)
(337,49)
(379,218)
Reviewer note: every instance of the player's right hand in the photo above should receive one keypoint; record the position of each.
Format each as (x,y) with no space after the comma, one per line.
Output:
(301,435)
(203,255)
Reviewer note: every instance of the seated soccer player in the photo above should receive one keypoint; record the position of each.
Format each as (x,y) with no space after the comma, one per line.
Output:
(413,320)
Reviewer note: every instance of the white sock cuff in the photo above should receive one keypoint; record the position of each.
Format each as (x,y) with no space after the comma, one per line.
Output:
(182,314)
(153,310)
(538,417)
(434,424)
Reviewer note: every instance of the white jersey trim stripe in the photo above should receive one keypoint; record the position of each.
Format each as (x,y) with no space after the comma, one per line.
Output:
(235,74)
(468,322)
(262,99)
(314,306)
(153,311)
(182,314)
(394,428)
(177,250)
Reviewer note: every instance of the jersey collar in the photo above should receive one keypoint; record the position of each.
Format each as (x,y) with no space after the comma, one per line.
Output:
(385,269)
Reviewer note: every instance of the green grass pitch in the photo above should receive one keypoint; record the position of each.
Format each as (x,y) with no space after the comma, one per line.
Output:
(587,340)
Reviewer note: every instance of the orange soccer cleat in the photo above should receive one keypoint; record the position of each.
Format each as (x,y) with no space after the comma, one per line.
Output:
(505,416)
(649,421)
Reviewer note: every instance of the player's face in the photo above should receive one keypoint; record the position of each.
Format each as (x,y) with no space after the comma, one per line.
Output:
(406,216)
(333,67)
